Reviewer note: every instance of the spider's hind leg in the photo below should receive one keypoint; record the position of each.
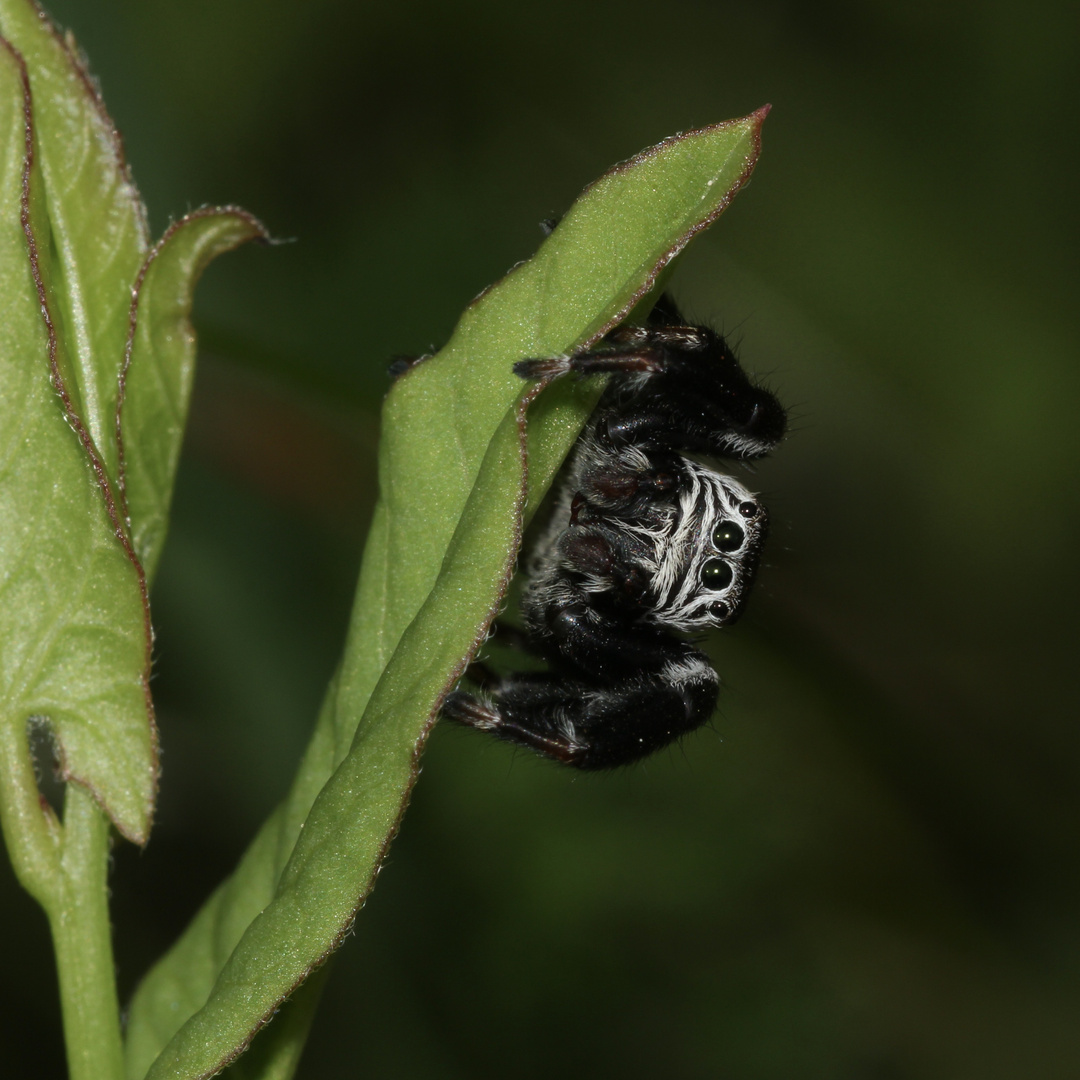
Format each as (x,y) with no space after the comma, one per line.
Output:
(593,727)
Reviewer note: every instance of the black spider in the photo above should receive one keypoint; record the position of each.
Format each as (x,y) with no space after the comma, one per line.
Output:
(644,541)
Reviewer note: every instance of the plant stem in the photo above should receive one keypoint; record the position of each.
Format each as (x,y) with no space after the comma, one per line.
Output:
(79,919)
(64,868)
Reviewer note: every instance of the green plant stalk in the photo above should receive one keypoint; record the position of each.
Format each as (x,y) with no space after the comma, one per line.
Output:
(79,920)
(64,867)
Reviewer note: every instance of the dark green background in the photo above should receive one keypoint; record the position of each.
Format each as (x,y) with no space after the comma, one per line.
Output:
(869,868)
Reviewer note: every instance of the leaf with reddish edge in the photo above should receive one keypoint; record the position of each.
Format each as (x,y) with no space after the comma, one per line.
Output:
(74,624)
(454,489)
(98,221)
(159,365)
(74,617)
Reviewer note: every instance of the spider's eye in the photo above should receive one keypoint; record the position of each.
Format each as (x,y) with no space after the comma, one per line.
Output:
(727,536)
(748,509)
(719,610)
(716,574)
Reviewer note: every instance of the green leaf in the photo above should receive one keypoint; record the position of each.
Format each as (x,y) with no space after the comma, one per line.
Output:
(74,630)
(159,365)
(441,551)
(86,312)
(277,1055)
(98,221)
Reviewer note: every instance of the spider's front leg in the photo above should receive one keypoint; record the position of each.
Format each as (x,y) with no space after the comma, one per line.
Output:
(620,481)
(675,386)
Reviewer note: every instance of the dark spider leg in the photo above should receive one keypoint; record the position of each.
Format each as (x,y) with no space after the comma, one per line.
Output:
(743,424)
(677,336)
(603,648)
(635,691)
(593,553)
(614,485)
(695,399)
(593,727)
(634,358)
(473,712)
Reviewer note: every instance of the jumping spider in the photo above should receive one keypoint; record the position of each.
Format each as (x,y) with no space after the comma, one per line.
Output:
(645,542)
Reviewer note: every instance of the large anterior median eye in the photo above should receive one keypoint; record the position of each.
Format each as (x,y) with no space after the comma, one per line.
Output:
(716,574)
(727,536)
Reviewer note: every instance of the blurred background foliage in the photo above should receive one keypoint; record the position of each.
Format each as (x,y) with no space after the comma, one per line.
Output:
(869,868)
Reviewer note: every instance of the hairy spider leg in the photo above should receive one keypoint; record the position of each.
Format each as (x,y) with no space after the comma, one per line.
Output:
(700,401)
(682,388)
(654,692)
(589,726)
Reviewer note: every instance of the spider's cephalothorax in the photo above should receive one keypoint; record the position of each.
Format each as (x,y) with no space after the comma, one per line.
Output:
(644,541)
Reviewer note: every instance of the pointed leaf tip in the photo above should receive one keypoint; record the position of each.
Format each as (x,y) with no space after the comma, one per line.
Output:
(159,364)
